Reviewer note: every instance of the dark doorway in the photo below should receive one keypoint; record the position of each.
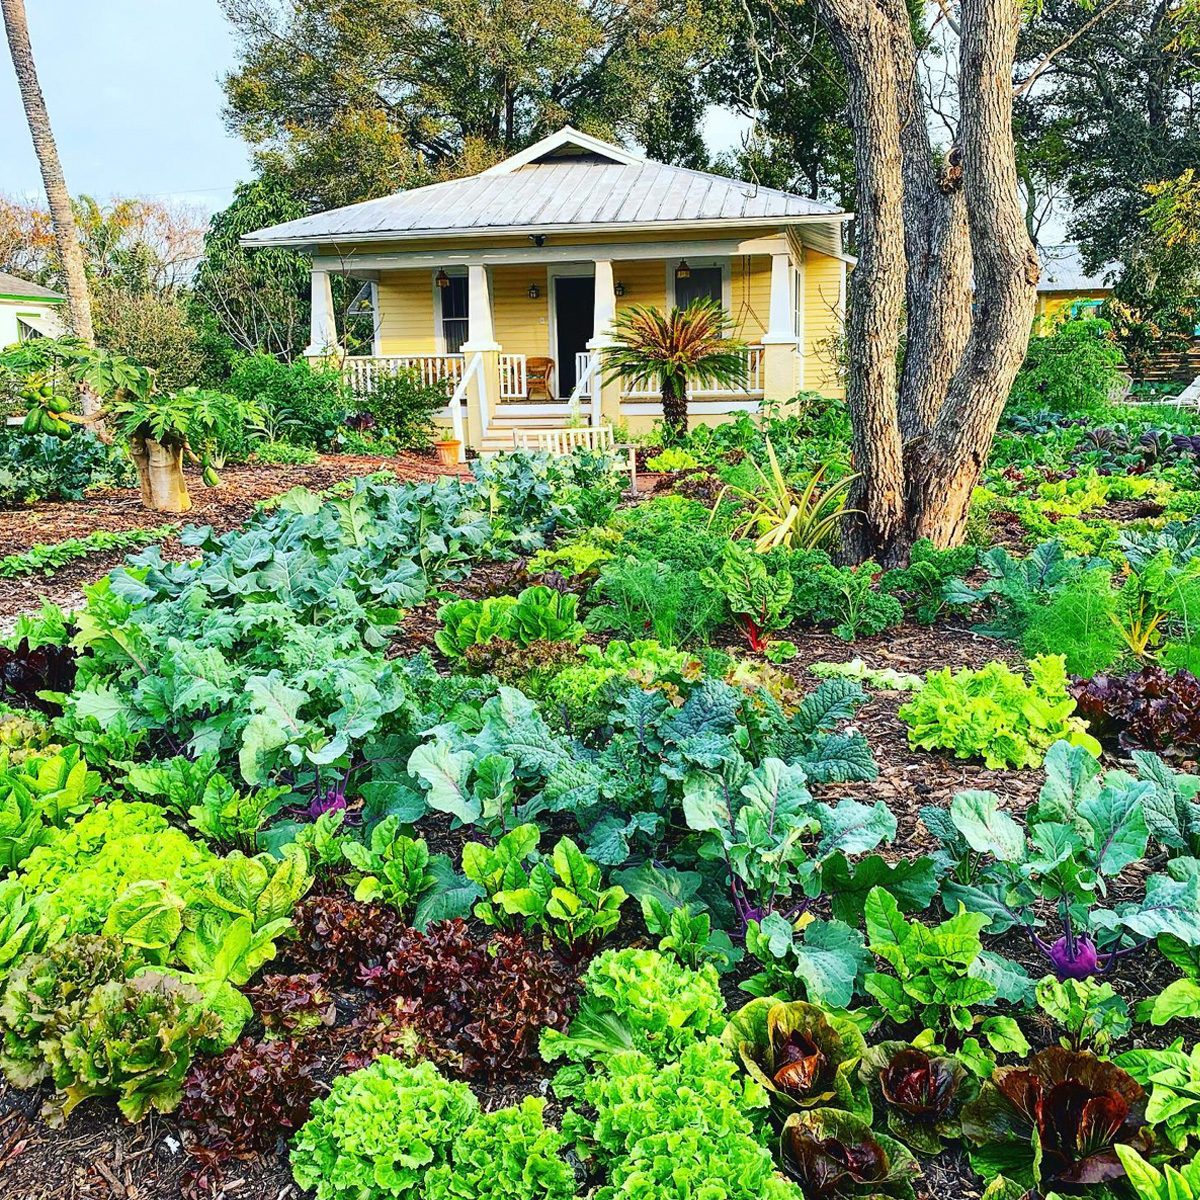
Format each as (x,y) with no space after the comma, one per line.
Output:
(574,317)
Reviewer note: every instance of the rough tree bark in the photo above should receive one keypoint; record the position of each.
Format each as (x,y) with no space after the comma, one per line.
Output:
(944,258)
(675,406)
(66,235)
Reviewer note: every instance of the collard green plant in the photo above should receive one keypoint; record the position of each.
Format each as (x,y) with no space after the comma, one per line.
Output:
(821,961)
(996,714)
(1056,1121)
(922,1094)
(802,1055)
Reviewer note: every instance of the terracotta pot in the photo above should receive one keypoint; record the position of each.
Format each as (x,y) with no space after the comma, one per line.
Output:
(447,452)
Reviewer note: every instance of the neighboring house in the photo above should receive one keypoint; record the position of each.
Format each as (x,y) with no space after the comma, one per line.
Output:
(1066,289)
(28,310)
(482,279)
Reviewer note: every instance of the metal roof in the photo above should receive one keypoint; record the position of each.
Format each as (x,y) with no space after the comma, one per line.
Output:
(1063,271)
(12,285)
(569,183)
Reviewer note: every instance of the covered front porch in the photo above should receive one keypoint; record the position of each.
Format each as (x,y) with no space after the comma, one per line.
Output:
(519,333)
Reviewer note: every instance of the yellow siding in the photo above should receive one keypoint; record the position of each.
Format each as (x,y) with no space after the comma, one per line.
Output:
(406,312)
(521,325)
(750,288)
(823,309)
(1057,305)
(645,282)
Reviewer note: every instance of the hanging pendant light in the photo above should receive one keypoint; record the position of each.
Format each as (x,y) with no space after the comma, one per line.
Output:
(683,271)
(442,279)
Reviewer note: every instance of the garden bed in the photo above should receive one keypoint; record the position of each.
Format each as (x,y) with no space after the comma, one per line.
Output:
(680,736)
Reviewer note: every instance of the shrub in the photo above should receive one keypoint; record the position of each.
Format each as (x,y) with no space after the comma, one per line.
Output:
(995,714)
(404,407)
(381,1131)
(302,402)
(1075,370)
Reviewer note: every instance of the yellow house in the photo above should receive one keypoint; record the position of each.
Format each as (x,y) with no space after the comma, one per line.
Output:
(480,280)
(1066,290)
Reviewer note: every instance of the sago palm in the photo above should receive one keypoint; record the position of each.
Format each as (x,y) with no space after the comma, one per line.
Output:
(652,346)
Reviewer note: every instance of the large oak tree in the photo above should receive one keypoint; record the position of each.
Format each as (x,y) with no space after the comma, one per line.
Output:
(943,295)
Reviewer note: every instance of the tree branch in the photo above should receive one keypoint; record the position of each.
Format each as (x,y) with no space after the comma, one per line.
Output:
(1021,88)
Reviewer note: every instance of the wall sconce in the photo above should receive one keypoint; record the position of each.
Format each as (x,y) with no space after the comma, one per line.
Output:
(534,291)
(442,279)
(683,271)
(618,288)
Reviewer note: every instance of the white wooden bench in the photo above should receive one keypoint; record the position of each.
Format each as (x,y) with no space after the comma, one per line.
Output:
(561,442)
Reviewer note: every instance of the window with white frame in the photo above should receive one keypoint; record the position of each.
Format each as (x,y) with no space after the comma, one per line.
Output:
(455,313)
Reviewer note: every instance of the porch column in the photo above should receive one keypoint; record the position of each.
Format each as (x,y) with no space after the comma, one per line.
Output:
(484,391)
(323,341)
(780,342)
(606,394)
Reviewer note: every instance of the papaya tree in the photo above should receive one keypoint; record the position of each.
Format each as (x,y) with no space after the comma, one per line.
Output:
(162,429)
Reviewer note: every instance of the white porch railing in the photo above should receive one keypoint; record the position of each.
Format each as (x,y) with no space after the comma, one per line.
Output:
(752,388)
(512,376)
(583,374)
(587,386)
(362,371)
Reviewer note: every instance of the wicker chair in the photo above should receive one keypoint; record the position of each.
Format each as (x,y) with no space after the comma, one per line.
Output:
(539,374)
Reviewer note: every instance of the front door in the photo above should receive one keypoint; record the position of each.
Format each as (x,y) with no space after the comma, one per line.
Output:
(574,318)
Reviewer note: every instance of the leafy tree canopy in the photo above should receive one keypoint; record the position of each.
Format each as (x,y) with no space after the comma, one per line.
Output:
(358,98)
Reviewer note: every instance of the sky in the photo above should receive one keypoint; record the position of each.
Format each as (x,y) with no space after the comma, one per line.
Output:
(133,88)
(134,97)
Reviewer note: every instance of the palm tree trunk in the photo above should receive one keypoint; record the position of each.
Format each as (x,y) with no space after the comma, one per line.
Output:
(66,235)
(675,407)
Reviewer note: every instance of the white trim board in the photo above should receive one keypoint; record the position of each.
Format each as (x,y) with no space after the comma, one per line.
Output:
(573,253)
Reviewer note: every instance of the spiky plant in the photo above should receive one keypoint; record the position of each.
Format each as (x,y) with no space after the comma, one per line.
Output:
(653,346)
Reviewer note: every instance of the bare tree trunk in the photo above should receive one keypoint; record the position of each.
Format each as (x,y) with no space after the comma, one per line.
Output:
(948,467)
(927,231)
(160,475)
(66,235)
